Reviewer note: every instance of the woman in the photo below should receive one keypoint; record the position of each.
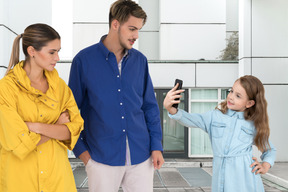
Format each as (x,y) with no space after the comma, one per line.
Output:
(39,118)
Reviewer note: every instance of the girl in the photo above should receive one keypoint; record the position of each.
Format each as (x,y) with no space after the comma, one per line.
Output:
(39,118)
(240,122)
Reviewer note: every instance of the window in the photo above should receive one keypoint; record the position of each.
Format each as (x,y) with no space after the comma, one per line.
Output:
(201,101)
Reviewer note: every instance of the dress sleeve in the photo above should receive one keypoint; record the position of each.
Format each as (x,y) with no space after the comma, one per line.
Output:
(14,133)
(194,120)
(75,125)
(269,155)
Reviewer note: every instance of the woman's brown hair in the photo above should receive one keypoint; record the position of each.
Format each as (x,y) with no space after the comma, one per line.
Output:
(37,36)
(258,112)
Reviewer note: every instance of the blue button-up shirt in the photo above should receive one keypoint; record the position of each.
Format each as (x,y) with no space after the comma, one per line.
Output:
(115,106)
(231,137)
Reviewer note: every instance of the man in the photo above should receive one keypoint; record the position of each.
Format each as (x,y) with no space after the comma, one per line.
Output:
(122,134)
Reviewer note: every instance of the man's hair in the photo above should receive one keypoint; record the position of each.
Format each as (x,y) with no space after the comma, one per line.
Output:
(121,10)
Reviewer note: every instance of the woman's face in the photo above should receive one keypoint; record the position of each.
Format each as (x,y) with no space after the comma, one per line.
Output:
(48,56)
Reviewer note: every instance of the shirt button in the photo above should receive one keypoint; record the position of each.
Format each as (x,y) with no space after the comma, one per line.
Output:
(40,151)
(121,103)
(41,172)
(123,130)
(23,134)
(52,105)
(122,117)
(106,58)
(40,115)
(118,76)
(119,90)
(45,99)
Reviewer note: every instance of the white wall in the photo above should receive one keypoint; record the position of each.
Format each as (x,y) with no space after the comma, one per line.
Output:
(90,22)
(23,13)
(276,96)
(86,34)
(263,29)
(149,34)
(163,75)
(193,74)
(6,41)
(17,15)
(270,28)
(232,16)
(193,11)
(191,30)
(5,35)
(191,42)
(91,10)
(62,23)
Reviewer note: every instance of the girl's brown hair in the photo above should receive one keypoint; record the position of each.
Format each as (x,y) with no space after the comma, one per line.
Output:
(37,36)
(258,112)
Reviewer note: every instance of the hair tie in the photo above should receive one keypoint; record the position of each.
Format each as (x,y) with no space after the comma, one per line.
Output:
(21,35)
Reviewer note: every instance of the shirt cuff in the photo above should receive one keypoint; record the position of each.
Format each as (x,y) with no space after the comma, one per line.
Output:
(80,147)
(176,116)
(156,146)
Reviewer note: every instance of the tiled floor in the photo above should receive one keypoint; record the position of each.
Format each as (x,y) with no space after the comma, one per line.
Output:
(173,178)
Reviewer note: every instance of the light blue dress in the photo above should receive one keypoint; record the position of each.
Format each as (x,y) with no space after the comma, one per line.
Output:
(232,139)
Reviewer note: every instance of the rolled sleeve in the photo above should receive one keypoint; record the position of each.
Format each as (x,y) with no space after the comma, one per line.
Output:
(28,143)
(269,155)
(75,133)
(75,125)
(14,133)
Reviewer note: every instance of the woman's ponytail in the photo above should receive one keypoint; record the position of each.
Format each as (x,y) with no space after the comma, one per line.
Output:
(14,59)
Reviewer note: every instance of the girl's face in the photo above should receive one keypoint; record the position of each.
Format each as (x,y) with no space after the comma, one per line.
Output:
(237,99)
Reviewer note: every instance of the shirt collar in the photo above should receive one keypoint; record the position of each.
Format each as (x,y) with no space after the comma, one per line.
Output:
(106,52)
(232,113)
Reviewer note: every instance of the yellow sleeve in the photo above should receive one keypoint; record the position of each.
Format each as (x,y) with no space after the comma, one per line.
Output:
(75,125)
(14,133)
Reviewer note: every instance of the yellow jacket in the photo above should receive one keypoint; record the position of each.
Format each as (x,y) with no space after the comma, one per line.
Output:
(26,167)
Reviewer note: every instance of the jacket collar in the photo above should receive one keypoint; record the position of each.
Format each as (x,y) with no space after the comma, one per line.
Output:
(21,78)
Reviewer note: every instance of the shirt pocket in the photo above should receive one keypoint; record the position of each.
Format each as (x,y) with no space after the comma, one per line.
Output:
(218,129)
(246,135)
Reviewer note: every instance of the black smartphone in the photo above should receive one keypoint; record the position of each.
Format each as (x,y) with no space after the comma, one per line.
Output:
(180,82)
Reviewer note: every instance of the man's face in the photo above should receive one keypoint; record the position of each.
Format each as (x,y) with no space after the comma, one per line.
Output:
(128,32)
